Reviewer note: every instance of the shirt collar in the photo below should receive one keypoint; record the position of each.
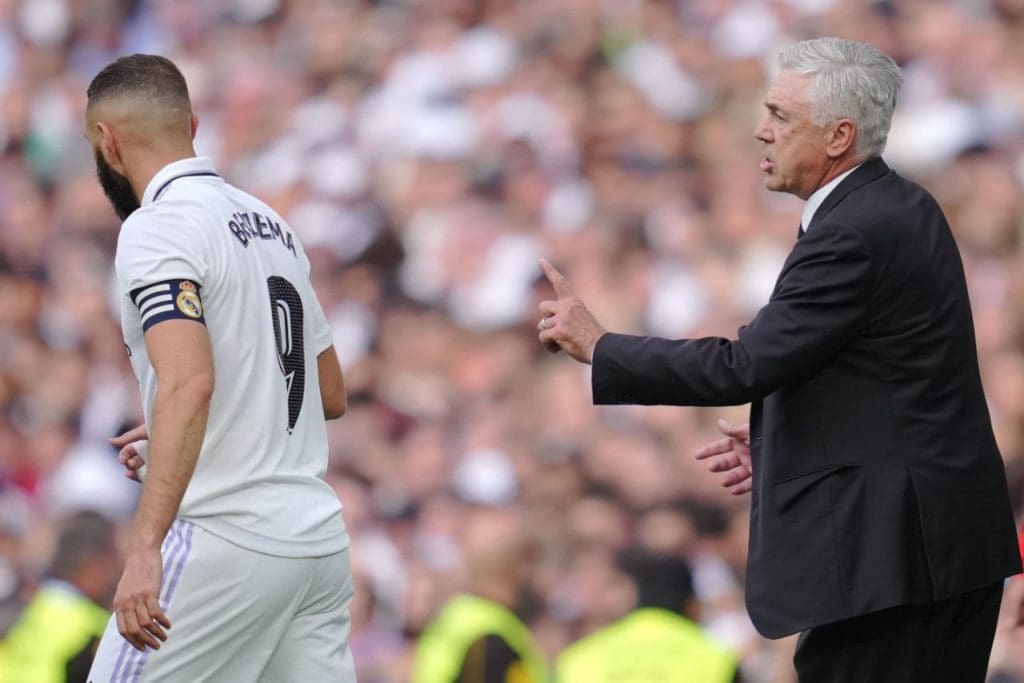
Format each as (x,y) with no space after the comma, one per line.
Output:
(176,169)
(816,199)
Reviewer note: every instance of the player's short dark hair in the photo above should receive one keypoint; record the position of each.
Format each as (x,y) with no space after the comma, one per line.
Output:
(152,76)
(83,535)
(663,581)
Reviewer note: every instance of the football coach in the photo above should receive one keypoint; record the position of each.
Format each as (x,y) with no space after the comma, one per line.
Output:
(881,527)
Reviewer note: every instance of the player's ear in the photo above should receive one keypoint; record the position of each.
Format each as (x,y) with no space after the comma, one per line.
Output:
(195,124)
(109,147)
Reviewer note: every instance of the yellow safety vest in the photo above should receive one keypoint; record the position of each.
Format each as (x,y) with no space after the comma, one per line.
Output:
(648,645)
(465,619)
(57,625)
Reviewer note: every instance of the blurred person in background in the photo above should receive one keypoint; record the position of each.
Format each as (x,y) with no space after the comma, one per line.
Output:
(870,436)
(14,516)
(55,638)
(1007,664)
(477,636)
(660,640)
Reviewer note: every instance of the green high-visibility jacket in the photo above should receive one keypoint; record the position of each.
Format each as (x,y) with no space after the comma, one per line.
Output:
(465,619)
(57,626)
(648,645)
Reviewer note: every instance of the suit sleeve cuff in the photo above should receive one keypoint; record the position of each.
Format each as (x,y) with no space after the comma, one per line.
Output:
(609,383)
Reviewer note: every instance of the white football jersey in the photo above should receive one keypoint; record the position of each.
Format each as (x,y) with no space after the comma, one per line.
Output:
(201,249)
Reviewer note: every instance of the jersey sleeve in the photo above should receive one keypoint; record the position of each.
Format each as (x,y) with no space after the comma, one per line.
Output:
(162,264)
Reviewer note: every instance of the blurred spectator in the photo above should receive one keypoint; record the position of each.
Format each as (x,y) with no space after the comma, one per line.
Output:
(1007,663)
(658,641)
(56,637)
(477,638)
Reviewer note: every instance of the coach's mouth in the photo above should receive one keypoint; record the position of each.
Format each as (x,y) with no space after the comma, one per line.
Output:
(767,165)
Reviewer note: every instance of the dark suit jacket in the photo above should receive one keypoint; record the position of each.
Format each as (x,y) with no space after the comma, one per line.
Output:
(877,481)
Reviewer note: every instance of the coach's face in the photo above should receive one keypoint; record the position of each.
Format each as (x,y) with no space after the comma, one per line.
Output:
(796,158)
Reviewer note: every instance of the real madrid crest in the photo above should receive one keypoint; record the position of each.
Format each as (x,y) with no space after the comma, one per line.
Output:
(188,301)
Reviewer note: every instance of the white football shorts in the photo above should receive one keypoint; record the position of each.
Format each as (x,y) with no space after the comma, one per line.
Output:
(239,616)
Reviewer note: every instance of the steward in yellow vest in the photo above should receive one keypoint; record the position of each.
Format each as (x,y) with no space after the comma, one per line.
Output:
(655,643)
(476,638)
(55,637)
(57,626)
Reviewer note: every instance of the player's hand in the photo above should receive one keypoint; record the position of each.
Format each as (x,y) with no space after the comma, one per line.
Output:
(566,324)
(731,456)
(140,619)
(129,455)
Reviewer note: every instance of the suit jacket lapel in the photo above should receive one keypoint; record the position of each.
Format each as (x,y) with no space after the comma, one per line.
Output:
(869,170)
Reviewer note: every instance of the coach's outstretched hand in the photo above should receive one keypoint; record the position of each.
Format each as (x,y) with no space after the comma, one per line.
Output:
(567,324)
(140,619)
(730,455)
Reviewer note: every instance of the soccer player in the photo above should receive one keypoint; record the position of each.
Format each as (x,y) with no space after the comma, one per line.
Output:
(237,565)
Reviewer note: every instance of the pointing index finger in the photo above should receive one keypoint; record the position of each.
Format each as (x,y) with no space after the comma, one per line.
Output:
(557,280)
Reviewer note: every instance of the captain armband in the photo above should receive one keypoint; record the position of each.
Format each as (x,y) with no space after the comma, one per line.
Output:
(168,300)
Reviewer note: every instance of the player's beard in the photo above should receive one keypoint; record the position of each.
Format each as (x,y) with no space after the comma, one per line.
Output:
(117,188)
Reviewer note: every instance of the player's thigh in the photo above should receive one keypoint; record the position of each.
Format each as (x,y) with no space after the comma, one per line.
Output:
(228,609)
(315,647)
(115,659)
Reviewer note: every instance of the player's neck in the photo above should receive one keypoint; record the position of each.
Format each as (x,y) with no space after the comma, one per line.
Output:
(148,164)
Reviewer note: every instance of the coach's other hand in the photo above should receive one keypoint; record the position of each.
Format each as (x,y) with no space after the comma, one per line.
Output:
(140,619)
(566,324)
(730,455)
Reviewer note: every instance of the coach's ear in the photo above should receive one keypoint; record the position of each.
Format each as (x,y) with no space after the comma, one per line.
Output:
(839,138)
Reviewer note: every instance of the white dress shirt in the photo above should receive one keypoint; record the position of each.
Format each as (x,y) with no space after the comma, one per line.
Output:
(818,197)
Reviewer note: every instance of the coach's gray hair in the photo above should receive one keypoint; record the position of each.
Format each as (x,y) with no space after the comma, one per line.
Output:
(849,80)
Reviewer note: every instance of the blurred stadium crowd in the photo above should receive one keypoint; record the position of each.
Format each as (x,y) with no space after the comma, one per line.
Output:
(428,152)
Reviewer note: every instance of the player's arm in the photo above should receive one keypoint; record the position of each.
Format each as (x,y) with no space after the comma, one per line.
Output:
(332,384)
(182,359)
(180,353)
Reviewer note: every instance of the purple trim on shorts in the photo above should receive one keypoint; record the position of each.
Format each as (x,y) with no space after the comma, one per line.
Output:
(120,659)
(171,539)
(187,529)
(172,557)
(172,547)
(177,573)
